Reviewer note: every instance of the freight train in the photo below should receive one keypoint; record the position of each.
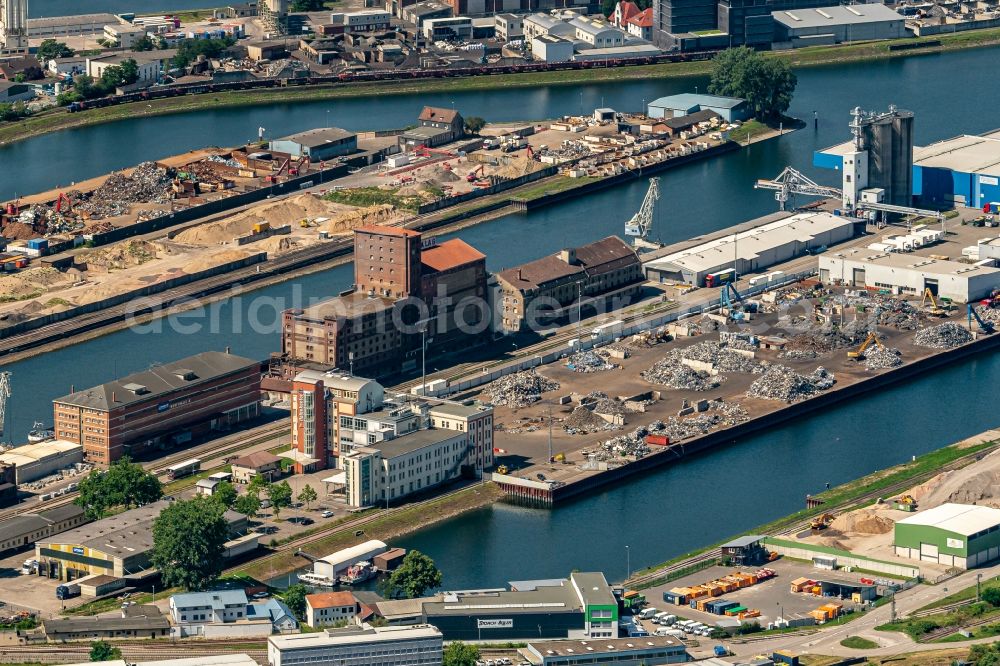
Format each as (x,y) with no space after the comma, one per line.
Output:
(390,75)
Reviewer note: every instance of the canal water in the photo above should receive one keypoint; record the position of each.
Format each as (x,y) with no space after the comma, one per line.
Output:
(662,514)
(44,8)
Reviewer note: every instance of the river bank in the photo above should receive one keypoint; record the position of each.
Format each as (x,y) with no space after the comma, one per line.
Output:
(59,119)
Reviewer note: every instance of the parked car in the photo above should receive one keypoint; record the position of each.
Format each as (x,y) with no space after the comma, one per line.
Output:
(327,514)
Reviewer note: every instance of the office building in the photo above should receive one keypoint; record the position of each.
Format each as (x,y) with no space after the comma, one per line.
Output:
(322,404)
(367,20)
(354,646)
(13,26)
(508,27)
(597,272)
(159,408)
(119,545)
(645,651)
(228,614)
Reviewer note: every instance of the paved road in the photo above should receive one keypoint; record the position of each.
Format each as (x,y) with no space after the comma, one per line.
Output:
(827,642)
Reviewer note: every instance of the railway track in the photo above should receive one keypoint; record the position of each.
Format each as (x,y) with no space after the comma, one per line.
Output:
(233,444)
(132,651)
(885,491)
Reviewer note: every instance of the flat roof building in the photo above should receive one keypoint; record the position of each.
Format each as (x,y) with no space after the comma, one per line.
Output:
(414,646)
(795,28)
(119,545)
(955,535)
(318,144)
(144,621)
(908,274)
(27,528)
(552,48)
(649,650)
(68,26)
(753,250)
(34,461)
(162,407)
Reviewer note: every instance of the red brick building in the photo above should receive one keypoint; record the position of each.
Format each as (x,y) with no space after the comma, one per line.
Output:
(160,408)
(387,261)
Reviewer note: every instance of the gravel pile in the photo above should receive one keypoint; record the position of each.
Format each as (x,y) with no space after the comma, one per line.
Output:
(147,183)
(670,372)
(520,389)
(942,336)
(583,421)
(783,383)
(880,358)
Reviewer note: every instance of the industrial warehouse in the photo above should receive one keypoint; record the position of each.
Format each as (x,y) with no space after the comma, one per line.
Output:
(752,251)
(119,545)
(836,24)
(34,461)
(908,274)
(160,408)
(963,171)
(956,535)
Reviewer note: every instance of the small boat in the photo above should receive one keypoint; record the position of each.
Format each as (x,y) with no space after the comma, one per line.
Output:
(358,573)
(315,580)
(39,433)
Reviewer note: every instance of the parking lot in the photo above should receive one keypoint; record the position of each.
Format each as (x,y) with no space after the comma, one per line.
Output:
(773,598)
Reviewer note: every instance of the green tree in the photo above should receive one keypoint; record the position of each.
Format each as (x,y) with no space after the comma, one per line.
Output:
(460,654)
(767,84)
(129,485)
(68,97)
(143,44)
(280,495)
(104,651)
(991,595)
(259,484)
(248,504)
(307,495)
(121,75)
(295,598)
(225,494)
(189,49)
(13,111)
(474,124)
(188,541)
(50,48)
(413,577)
(308,5)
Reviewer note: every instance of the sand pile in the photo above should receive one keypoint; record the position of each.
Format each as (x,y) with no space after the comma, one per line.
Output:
(863,521)
(278,214)
(19,231)
(348,220)
(31,282)
(121,255)
(274,244)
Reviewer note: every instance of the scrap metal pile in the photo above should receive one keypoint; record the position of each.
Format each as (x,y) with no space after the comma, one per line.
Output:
(520,389)
(718,415)
(991,315)
(891,311)
(942,336)
(879,358)
(147,183)
(726,357)
(826,338)
(589,361)
(783,383)
(670,371)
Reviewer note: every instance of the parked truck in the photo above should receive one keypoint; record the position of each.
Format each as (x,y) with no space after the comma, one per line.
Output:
(67,591)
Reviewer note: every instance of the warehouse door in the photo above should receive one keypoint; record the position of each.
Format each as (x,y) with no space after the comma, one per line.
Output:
(929,552)
(859,277)
(932,285)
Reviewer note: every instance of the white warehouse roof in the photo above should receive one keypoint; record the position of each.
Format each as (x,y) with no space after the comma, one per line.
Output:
(966,154)
(911,262)
(29,454)
(839,15)
(964,519)
(802,227)
(349,556)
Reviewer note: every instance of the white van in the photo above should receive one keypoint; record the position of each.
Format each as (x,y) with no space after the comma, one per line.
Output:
(675,633)
(670,619)
(647,613)
(658,618)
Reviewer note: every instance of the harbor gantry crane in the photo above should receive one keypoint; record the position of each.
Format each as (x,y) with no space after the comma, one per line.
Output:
(640,224)
(791,182)
(4,394)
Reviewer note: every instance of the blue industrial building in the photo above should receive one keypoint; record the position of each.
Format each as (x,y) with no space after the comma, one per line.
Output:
(963,171)
(318,144)
(675,106)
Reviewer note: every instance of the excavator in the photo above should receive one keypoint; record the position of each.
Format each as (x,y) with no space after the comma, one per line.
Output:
(984,325)
(935,310)
(475,173)
(860,352)
(821,522)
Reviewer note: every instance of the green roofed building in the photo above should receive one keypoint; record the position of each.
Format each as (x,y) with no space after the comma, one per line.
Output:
(955,535)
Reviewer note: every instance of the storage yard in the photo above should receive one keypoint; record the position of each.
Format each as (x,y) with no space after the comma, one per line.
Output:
(654,395)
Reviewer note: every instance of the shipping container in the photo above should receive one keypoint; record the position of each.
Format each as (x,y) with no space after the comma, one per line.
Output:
(657,440)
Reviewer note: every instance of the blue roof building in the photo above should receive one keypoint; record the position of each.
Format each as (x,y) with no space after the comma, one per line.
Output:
(675,106)
(281,616)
